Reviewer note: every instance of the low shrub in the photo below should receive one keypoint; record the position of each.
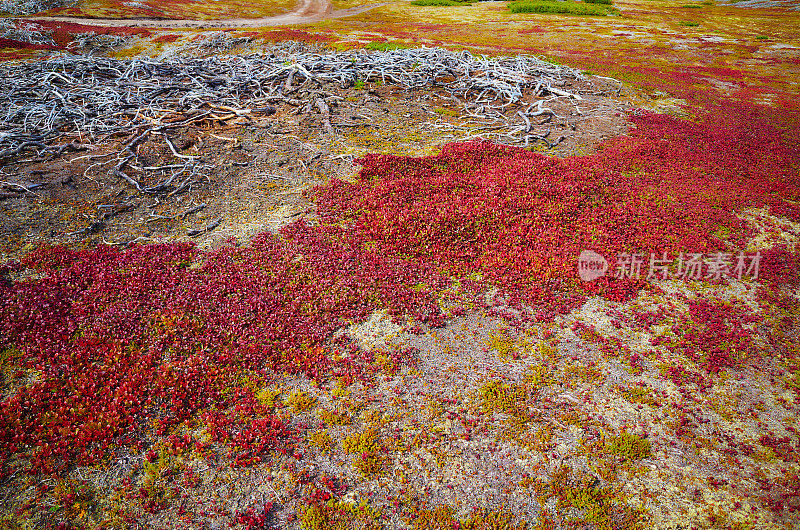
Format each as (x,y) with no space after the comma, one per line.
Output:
(556,7)
(630,447)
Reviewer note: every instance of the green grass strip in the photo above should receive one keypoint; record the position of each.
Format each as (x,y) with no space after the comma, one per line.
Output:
(557,7)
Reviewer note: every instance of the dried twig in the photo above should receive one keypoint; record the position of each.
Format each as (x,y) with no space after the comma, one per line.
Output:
(208,228)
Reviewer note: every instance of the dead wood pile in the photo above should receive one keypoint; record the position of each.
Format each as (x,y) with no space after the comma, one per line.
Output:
(88,99)
(77,102)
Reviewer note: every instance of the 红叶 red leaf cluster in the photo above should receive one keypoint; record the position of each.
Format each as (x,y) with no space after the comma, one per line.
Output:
(117,337)
(520,219)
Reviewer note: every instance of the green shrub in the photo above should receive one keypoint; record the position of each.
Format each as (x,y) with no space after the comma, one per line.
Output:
(604,2)
(551,6)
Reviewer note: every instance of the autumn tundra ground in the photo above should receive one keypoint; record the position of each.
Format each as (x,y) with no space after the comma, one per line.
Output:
(231,298)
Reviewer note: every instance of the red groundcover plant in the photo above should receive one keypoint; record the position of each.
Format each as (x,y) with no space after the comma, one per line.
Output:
(120,337)
(521,218)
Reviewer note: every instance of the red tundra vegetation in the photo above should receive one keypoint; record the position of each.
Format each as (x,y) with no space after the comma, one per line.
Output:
(118,339)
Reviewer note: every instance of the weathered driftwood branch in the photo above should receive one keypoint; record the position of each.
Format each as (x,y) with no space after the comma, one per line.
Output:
(14,186)
(326,115)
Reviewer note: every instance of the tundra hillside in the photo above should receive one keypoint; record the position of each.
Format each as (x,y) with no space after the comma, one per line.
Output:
(427,264)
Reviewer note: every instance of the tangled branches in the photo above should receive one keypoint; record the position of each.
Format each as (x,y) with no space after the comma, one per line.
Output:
(95,98)
(22,31)
(29,7)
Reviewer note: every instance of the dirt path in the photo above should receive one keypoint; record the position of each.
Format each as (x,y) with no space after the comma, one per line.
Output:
(306,12)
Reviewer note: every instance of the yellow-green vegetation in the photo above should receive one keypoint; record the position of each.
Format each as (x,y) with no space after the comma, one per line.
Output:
(433,519)
(557,7)
(153,483)
(538,376)
(361,442)
(268,397)
(366,445)
(75,500)
(519,430)
(485,520)
(572,417)
(177,9)
(584,502)
(591,503)
(9,366)
(725,408)
(439,3)
(301,401)
(370,464)
(496,396)
(321,440)
(385,46)
(434,407)
(442,517)
(446,112)
(630,446)
(505,345)
(340,390)
(334,417)
(638,394)
(793,382)
(9,357)
(336,514)
(375,417)
(547,350)
(586,374)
